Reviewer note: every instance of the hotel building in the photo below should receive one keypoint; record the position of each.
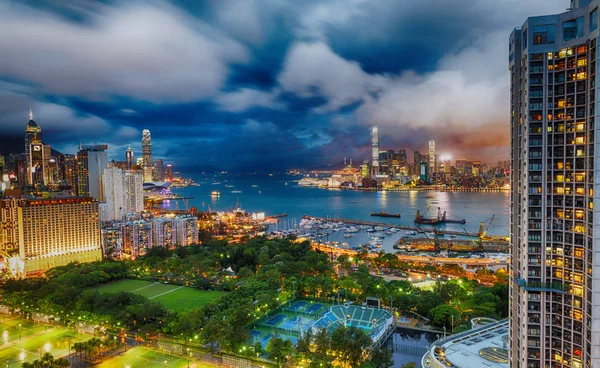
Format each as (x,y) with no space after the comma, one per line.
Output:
(555,236)
(50,232)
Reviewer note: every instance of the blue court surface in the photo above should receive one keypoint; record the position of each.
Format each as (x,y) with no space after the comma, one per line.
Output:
(314,308)
(275,320)
(297,306)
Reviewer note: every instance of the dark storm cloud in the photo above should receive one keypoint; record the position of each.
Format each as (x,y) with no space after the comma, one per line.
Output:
(249,84)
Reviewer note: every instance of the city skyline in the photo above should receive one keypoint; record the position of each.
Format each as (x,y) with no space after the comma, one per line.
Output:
(253,79)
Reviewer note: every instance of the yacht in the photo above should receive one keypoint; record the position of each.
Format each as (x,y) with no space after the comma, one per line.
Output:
(352,229)
(378,228)
(347,235)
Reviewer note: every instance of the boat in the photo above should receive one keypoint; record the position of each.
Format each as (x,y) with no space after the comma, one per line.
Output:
(453,236)
(236,191)
(393,230)
(378,228)
(440,219)
(388,232)
(352,229)
(353,201)
(228,186)
(347,235)
(385,214)
(214,193)
(370,230)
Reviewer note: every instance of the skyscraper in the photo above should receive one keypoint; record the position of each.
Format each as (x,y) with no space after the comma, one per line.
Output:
(432,160)
(554,269)
(147,155)
(91,162)
(123,192)
(374,152)
(33,133)
(129,159)
(159,170)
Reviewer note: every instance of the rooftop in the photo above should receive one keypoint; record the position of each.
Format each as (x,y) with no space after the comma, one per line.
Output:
(478,348)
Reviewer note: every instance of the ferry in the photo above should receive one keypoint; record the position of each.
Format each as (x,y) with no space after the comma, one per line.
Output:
(214,193)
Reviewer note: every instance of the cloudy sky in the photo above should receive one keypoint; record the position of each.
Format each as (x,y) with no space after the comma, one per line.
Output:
(261,84)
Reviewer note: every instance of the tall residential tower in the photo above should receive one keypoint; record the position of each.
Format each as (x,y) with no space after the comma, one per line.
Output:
(554,228)
(147,155)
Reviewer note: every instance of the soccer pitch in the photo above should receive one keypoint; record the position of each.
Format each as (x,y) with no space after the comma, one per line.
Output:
(23,340)
(148,358)
(174,297)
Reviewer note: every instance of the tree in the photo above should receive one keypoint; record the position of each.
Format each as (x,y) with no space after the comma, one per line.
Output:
(349,344)
(47,361)
(279,349)
(382,358)
(444,314)
(409,365)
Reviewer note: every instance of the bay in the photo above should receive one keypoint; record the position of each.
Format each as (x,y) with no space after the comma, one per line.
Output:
(281,194)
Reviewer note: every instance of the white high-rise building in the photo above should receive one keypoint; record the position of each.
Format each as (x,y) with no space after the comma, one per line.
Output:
(133,190)
(123,192)
(555,179)
(114,193)
(374,152)
(432,159)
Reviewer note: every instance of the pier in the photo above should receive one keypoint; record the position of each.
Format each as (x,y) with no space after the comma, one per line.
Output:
(402,227)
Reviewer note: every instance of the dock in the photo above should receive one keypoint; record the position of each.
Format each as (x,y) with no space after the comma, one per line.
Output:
(388,225)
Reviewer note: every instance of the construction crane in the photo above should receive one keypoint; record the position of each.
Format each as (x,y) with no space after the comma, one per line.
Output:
(482,232)
(436,240)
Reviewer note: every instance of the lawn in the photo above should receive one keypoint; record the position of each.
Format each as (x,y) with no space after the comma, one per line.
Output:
(29,341)
(148,358)
(174,297)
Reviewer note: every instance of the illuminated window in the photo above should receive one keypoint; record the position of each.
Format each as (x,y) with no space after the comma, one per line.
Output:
(559,190)
(560,177)
(577,314)
(581,75)
(580,152)
(558,274)
(580,190)
(579,229)
(580,140)
(549,129)
(581,62)
(577,277)
(560,165)
(579,214)
(579,177)
(577,290)
(580,126)
(561,103)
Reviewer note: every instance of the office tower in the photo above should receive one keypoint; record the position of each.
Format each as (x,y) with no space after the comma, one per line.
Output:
(169,172)
(129,159)
(432,160)
(416,162)
(476,168)
(365,169)
(33,133)
(383,162)
(159,170)
(402,157)
(374,152)
(35,164)
(91,162)
(460,165)
(67,166)
(51,232)
(555,270)
(147,155)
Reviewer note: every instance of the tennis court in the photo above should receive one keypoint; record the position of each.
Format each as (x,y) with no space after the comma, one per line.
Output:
(24,341)
(142,357)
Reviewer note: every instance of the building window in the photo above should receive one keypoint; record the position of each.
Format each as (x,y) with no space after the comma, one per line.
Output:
(594,19)
(573,29)
(543,34)
(524,39)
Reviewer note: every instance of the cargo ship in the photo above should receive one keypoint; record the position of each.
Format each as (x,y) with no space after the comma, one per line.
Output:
(385,214)
(440,219)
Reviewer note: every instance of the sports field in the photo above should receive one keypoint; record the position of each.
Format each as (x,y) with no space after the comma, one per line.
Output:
(23,340)
(174,297)
(148,358)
